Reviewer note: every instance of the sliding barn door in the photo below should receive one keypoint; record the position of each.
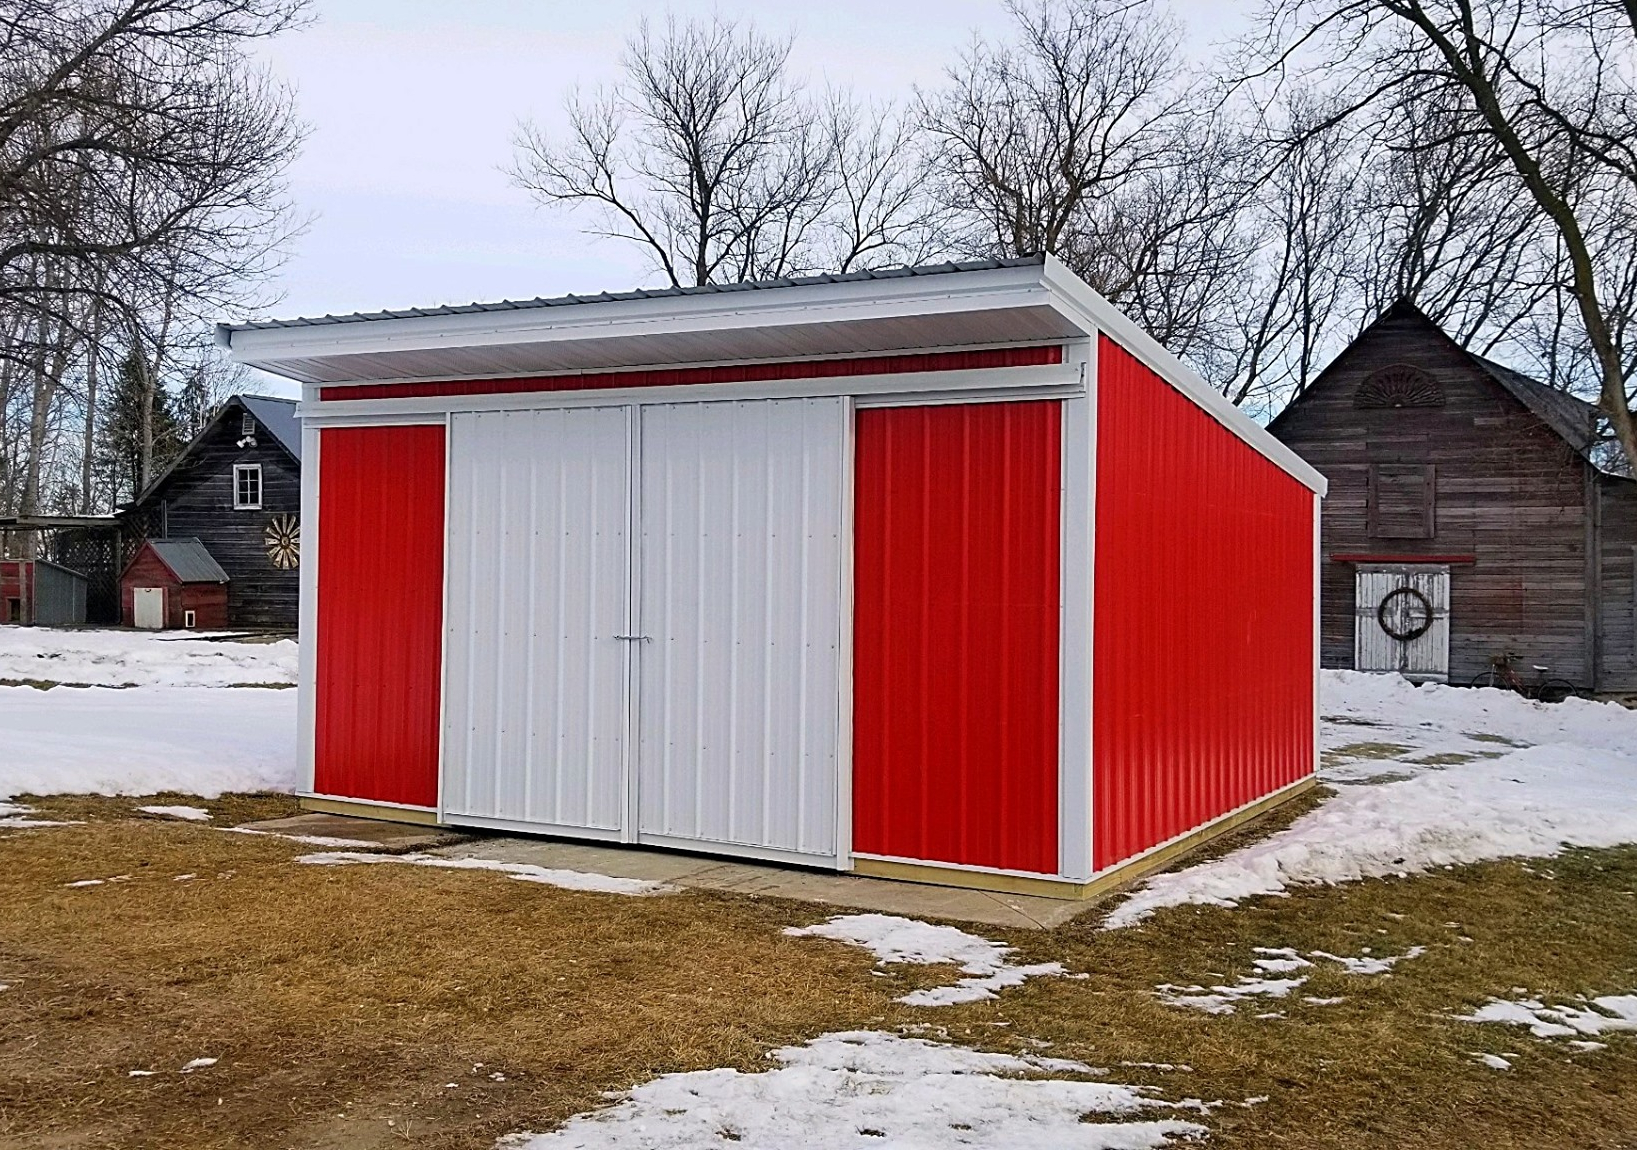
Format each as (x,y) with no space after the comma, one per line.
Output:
(535,714)
(740,570)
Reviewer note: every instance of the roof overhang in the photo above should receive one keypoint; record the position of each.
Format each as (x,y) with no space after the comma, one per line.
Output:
(856,317)
(1012,303)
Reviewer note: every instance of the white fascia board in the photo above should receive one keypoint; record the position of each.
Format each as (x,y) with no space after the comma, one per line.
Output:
(940,294)
(1078,301)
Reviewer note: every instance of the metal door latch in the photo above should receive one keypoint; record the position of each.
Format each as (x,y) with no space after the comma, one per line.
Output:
(635,638)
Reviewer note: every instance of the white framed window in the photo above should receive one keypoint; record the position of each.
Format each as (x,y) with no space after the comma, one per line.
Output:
(247,486)
(188,619)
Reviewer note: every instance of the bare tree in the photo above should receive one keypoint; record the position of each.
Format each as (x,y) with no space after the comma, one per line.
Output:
(1548,86)
(1029,137)
(718,165)
(141,176)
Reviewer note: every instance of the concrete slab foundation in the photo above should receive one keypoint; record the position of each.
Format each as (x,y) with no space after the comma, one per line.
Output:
(915,900)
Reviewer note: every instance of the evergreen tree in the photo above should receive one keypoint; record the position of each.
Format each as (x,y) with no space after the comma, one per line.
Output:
(127,424)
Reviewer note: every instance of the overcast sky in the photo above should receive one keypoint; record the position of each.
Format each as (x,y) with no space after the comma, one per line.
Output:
(412,104)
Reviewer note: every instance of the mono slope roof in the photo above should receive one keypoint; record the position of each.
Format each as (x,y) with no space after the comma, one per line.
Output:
(989,303)
(189,560)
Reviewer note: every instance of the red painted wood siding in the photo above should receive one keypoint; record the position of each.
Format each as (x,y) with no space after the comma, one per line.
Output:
(736,373)
(1203,624)
(380,613)
(956,629)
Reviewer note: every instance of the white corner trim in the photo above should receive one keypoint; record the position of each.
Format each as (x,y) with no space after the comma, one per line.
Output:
(1070,291)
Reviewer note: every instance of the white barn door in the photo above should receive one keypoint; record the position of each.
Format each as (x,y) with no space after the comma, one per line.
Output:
(740,576)
(1401,621)
(536,674)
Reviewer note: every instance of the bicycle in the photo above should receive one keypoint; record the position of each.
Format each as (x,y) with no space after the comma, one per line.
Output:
(1502,673)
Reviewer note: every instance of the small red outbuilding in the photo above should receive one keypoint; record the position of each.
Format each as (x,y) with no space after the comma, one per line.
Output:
(945,573)
(173,583)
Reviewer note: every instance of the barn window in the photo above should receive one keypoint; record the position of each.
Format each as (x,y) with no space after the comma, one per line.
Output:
(1402,501)
(247,424)
(1399,385)
(247,486)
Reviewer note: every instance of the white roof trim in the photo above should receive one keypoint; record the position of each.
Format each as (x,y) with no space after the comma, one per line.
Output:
(1046,288)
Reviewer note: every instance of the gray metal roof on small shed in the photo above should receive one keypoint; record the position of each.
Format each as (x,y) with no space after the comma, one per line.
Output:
(278,416)
(189,560)
(225,330)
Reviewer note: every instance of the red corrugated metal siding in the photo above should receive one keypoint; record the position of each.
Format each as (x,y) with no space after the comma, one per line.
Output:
(1203,622)
(955,643)
(736,373)
(380,613)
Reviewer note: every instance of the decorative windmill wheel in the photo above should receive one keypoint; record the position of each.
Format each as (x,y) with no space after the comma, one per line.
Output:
(283,537)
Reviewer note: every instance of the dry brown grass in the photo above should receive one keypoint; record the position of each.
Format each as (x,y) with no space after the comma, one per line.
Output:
(340,1000)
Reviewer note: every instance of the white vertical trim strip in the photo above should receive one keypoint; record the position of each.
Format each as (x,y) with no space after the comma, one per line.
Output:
(307,610)
(448,613)
(1318,616)
(631,809)
(844,645)
(1078,551)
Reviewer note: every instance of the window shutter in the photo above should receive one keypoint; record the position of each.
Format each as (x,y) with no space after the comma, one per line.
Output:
(1402,501)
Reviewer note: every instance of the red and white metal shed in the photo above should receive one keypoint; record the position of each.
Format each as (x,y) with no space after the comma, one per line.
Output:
(946,573)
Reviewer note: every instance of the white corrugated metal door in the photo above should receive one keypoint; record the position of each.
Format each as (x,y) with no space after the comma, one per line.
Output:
(535,709)
(742,507)
(1402,620)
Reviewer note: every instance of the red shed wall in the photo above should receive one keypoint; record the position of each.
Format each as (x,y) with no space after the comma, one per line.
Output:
(380,613)
(1203,656)
(17,583)
(956,621)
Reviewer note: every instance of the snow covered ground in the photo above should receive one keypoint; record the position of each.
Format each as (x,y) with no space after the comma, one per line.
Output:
(872,1089)
(181,729)
(1429,776)
(141,658)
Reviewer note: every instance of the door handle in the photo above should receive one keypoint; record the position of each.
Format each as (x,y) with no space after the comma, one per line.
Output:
(634,638)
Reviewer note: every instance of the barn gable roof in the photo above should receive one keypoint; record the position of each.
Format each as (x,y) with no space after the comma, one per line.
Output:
(278,416)
(188,560)
(1573,419)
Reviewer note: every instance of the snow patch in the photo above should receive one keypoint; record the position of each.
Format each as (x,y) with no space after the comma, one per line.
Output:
(525,872)
(1493,1061)
(894,939)
(133,658)
(192,814)
(1225,999)
(193,740)
(1611,1012)
(1574,785)
(308,840)
(199,1064)
(869,1089)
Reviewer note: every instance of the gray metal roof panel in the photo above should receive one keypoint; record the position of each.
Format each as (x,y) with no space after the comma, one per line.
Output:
(947,268)
(278,416)
(189,560)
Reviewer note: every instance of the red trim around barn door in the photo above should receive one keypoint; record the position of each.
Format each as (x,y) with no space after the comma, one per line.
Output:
(380,613)
(680,376)
(955,636)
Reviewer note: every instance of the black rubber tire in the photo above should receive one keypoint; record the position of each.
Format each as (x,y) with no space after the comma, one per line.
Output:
(1555,690)
(1415,632)
(1489,678)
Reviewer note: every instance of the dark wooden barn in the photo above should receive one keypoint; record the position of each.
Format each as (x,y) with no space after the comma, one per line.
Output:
(236,490)
(1478,489)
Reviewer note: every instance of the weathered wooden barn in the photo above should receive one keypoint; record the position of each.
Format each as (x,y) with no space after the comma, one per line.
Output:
(1479,490)
(236,491)
(947,573)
